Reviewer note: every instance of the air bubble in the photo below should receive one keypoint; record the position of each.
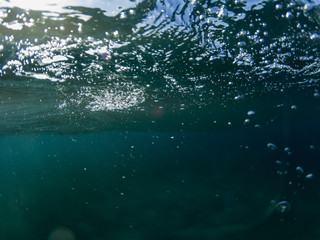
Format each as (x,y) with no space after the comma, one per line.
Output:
(242,44)
(237,97)
(278,162)
(287,150)
(300,170)
(250,113)
(289,15)
(123,15)
(282,207)
(272,146)
(309,176)
(116,33)
(314,36)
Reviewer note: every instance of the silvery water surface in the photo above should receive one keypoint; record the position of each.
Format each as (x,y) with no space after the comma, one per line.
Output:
(166,119)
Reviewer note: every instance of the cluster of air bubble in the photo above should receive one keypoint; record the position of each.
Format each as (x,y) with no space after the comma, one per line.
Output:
(79,64)
(294,173)
(223,51)
(180,53)
(108,98)
(261,39)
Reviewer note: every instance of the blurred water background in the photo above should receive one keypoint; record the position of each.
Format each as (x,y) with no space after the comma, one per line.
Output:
(159,119)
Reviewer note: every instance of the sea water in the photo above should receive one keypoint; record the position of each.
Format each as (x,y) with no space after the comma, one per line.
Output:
(163,119)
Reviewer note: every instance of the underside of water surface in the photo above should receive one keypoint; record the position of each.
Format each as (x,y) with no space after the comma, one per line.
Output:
(159,65)
(159,119)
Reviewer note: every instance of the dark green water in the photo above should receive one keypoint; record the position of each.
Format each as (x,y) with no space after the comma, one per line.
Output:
(167,119)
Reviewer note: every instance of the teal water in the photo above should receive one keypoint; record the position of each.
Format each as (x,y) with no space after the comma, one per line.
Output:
(164,119)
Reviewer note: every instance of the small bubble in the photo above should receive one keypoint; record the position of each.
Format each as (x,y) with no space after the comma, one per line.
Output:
(293,107)
(202,17)
(307,7)
(242,44)
(314,36)
(312,147)
(287,150)
(282,207)
(79,27)
(272,146)
(289,15)
(300,170)
(316,95)
(309,176)
(250,113)
(123,15)
(278,162)
(279,6)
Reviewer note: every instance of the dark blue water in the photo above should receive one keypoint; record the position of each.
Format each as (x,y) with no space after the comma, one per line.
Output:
(159,120)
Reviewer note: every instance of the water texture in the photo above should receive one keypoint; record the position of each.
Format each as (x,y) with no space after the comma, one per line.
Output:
(154,65)
(159,119)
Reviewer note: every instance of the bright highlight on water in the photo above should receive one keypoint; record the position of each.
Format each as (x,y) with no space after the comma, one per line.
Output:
(159,119)
(127,59)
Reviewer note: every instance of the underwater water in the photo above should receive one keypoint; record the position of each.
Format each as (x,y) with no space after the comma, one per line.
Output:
(159,119)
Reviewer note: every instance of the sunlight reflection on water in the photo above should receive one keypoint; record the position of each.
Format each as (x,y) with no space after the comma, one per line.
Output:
(110,8)
(187,58)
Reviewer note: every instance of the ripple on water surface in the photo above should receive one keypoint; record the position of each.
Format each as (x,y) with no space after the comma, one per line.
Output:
(195,60)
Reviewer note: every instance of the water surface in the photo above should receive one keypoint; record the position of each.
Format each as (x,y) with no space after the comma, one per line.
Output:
(159,119)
